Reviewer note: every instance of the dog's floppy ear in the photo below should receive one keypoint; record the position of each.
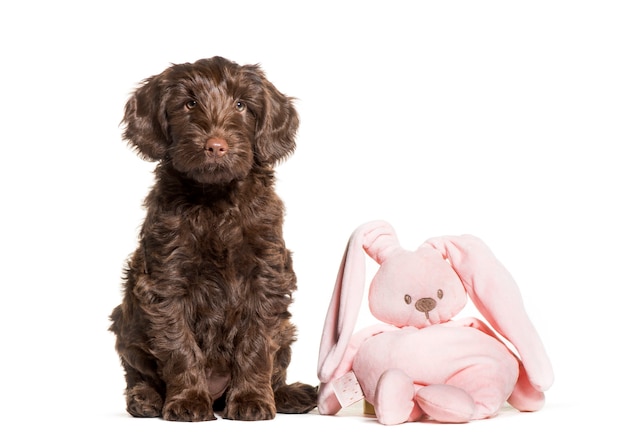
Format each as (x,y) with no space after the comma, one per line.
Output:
(145,119)
(277,122)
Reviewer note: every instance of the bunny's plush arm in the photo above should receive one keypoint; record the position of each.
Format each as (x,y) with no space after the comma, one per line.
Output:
(525,396)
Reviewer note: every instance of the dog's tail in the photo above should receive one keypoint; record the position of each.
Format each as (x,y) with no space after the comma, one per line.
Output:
(296,398)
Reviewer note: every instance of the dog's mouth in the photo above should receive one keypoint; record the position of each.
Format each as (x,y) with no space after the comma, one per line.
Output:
(213,174)
(217,164)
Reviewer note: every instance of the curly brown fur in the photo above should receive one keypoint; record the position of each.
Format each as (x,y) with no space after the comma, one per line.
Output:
(204,324)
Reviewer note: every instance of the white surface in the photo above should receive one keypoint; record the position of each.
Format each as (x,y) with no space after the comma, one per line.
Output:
(449,117)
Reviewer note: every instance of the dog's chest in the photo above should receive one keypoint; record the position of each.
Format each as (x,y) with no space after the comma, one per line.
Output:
(216,243)
(216,254)
(219,245)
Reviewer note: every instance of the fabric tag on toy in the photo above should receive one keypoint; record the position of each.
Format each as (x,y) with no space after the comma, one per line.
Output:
(347,389)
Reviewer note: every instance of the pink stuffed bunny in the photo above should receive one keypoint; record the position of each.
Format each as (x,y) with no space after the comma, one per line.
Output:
(420,362)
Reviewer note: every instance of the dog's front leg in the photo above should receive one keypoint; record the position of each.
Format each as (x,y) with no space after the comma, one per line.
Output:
(251,396)
(181,366)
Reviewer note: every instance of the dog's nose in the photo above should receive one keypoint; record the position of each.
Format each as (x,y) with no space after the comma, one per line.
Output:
(216,146)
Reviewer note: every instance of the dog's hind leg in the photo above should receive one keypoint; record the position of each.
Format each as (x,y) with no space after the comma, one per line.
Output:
(296,398)
(144,390)
(143,395)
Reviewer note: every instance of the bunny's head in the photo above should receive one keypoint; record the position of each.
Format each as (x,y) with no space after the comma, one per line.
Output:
(415,288)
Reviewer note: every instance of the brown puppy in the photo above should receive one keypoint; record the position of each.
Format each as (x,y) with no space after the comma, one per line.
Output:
(204,324)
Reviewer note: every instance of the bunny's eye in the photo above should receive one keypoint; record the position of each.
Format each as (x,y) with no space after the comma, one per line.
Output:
(439,294)
(407,299)
(240,106)
(191,104)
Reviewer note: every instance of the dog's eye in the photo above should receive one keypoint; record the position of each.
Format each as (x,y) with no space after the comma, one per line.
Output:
(240,106)
(191,104)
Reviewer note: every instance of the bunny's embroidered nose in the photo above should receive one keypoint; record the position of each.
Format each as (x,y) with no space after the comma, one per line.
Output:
(425,305)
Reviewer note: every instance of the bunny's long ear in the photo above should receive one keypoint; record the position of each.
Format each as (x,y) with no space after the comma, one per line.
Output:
(496,295)
(374,238)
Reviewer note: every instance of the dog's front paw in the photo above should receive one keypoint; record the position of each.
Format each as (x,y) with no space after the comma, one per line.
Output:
(143,401)
(189,406)
(250,408)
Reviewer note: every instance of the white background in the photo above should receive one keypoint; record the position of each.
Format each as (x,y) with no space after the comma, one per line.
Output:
(501,119)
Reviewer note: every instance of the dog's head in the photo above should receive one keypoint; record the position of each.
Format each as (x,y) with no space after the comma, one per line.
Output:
(212,119)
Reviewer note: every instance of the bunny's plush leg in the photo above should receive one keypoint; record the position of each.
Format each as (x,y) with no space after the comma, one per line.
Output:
(488,384)
(394,401)
(445,403)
